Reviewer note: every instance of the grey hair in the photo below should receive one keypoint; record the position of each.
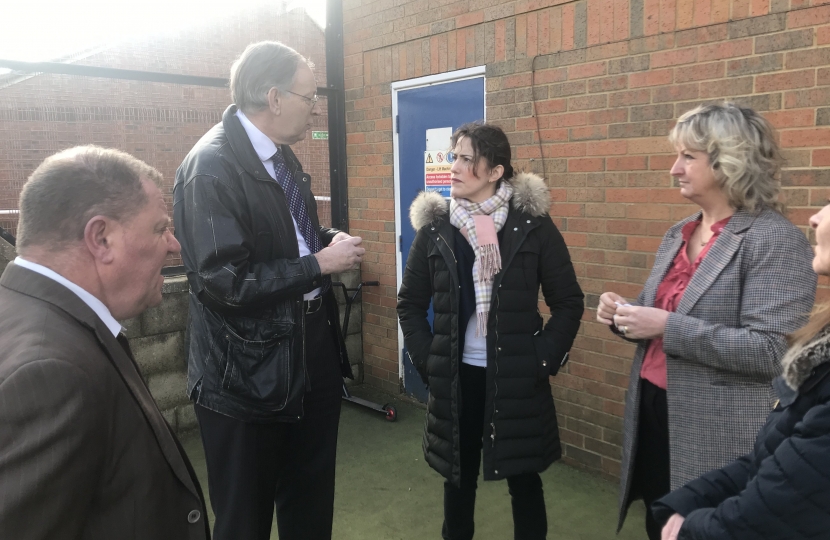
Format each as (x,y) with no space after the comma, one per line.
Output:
(71,187)
(742,150)
(261,67)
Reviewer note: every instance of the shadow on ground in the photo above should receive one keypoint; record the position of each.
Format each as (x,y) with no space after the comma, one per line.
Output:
(385,490)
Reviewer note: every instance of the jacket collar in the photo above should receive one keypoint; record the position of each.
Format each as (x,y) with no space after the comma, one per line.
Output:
(719,255)
(244,151)
(803,361)
(531,195)
(37,286)
(518,225)
(101,310)
(740,221)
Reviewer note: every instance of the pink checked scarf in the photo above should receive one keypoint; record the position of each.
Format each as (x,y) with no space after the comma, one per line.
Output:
(480,223)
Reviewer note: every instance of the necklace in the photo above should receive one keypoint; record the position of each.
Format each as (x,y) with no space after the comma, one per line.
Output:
(700,239)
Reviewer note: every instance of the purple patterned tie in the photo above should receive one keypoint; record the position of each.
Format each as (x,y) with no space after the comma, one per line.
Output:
(298,209)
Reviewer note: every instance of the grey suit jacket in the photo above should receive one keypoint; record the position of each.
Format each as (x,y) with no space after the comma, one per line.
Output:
(84,451)
(724,343)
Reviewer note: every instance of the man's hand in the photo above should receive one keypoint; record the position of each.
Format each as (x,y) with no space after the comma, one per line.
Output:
(343,255)
(339,237)
(672,527)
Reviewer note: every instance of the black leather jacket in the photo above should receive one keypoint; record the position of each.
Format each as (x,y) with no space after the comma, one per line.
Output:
(245,335)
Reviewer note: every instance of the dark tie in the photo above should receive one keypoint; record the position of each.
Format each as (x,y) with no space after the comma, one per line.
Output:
(298,209)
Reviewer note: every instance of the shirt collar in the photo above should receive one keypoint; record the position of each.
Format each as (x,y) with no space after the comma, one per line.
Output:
(689,228)
(263,146)
(95,305)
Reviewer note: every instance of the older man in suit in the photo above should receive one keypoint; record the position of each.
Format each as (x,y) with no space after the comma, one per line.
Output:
(265,352)
(84,450)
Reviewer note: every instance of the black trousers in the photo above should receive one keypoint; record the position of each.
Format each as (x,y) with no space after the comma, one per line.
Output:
(254,467)
(530,520)
(652,479)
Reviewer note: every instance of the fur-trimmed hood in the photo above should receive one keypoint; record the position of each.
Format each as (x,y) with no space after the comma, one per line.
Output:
(800,360)
(530,194)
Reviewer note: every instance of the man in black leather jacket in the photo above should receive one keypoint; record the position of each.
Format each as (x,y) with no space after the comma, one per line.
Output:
(265,351)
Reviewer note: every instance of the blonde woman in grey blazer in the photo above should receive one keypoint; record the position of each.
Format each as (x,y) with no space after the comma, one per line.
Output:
(728,284)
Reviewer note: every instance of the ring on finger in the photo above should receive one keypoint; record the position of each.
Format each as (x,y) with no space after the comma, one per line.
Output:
(623,329)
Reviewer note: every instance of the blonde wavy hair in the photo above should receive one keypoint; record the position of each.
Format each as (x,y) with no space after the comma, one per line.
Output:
(742,150)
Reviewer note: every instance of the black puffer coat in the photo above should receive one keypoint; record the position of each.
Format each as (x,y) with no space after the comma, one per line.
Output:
(520,431)
(780,491)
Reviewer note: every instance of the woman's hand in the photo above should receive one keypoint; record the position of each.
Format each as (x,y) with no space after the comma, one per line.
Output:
(672,527)
(637,322)
(607,307)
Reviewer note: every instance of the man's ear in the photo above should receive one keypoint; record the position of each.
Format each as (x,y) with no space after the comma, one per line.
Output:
(99,236)
(274,100)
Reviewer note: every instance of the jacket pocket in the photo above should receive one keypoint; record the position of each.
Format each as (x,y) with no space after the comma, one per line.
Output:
(258,370)
(527,258)
(420,368)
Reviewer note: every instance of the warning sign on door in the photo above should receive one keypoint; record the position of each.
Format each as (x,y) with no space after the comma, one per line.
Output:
(437,172)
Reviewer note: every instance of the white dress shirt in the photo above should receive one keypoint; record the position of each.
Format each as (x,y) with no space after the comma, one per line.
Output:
(96,305)
(265,150)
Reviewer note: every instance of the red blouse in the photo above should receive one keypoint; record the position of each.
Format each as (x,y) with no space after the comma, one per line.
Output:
(669,293)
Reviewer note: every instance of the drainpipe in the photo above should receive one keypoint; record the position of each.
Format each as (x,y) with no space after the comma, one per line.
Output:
(335,83)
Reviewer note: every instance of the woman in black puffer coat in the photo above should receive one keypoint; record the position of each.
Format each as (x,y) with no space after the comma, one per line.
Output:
(488,356)
(780,491)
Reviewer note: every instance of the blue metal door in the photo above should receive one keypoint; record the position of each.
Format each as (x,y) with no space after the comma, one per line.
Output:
(443,105)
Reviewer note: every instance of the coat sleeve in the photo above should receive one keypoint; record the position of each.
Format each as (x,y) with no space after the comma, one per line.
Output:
(51,450)
(413,302)
(327,234)
(562,294)
(777,294)
(638,302)
(217,244)
(789,497)
(708,491)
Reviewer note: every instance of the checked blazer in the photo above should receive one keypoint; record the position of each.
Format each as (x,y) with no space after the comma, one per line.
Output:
(724,343)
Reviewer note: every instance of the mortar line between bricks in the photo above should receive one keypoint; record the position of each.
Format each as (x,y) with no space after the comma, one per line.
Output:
(608,42)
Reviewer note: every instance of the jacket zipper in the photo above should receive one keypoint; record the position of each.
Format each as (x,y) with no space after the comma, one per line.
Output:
(449,248)
(495,377)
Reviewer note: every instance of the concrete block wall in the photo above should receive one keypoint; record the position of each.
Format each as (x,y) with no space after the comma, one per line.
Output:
(7,254)
(157,340)
(587,91)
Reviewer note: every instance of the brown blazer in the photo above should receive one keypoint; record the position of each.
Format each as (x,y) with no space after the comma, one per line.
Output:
(84,451)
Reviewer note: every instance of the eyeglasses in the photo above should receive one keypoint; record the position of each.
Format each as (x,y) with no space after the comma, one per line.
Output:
(312,101)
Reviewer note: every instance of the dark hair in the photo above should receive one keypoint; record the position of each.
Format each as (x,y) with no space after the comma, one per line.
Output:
(488,141)
(261,67)
(72,186)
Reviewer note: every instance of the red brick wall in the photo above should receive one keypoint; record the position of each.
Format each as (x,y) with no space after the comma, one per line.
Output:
(611,77)
(158,123)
